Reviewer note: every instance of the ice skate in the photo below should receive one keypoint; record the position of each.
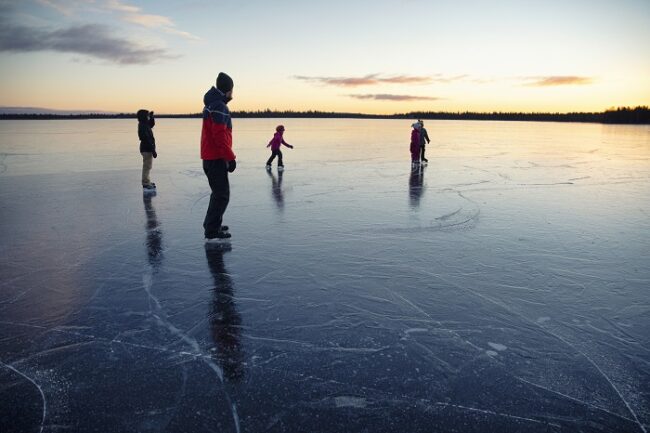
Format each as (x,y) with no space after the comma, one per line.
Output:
(220,236)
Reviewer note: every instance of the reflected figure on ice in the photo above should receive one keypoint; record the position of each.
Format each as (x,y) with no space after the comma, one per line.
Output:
(276,188)
(416,186)
(225,320)
(154,235)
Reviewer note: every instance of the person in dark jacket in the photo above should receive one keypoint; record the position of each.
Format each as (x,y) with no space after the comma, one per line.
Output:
(146,122)
(423,137)
(217,155)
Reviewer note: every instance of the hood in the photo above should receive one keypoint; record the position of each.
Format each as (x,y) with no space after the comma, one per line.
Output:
(143,115)
(213,95)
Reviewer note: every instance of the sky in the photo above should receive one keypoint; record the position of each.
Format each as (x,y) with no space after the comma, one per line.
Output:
(374,56)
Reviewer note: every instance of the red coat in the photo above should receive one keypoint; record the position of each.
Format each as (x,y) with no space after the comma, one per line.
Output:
(277,141)
(216,134)
(415,144)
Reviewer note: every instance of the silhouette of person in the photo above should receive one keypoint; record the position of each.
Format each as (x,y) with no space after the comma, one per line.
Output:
(146,122)
(154,235)
(225,320)
(276,188)
(416,186)
(424,140)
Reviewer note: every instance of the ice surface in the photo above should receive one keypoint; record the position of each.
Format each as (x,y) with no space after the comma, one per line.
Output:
(504,287)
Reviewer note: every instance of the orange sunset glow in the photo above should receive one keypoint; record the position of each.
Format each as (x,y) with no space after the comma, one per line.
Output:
(367,57)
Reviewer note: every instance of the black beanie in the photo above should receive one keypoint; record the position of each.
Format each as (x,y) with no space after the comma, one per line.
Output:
(224,82)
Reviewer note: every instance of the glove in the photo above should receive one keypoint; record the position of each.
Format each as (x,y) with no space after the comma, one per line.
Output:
(291,146)
(232,165)
(155,155)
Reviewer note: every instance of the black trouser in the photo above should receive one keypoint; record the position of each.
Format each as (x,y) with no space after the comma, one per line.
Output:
(422,158)
(275,153)
(217,173)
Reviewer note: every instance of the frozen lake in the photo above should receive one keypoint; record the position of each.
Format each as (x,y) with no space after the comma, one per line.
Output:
(502,288)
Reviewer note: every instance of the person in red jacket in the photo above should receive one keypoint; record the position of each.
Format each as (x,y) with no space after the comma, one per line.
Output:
(415,144)
(217,155)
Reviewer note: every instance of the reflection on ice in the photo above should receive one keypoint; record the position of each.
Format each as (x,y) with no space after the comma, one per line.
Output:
(225,320)
(503,287)
(416,185)
(276,188)
(154,234)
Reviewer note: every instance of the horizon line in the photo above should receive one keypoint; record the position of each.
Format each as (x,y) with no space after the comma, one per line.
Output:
(622,115)
(63,112)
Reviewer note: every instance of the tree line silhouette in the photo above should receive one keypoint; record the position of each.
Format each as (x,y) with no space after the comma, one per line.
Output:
(621,115)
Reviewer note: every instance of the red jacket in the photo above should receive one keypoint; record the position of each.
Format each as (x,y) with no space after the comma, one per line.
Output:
(216,134)
(277,141)
(415,144)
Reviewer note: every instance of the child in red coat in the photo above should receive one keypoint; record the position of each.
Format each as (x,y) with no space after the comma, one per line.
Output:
(275,144)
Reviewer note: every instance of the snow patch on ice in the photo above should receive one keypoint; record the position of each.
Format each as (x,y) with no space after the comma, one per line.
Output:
(543,319)
(497,346)
(349,401)
(413,330)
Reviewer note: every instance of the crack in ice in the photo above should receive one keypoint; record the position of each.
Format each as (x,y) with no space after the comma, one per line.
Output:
(147,281)
(40,390)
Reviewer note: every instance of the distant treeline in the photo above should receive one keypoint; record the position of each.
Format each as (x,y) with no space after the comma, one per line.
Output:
(637,115)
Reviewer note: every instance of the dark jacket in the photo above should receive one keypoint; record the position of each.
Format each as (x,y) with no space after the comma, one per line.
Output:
(145,134)
(423,136)
(147,142)
(216,134)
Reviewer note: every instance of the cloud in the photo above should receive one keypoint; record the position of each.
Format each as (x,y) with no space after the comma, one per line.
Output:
(129,13)
(367,80)
(440,78)
(65,7)
(391,97)
(132,14)
(183,34)
(150,21)
(404,79)
(557,80)
(377,79)
(92,40)
(61,6)
(117,5)
(483,80)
